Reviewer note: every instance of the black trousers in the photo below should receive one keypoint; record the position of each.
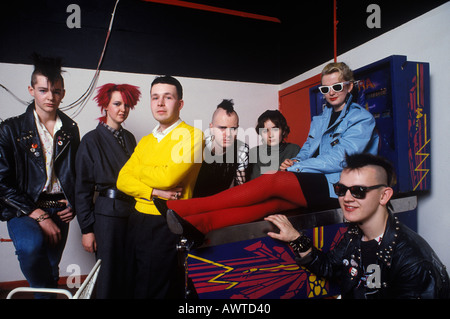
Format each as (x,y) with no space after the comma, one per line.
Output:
(110,234)
(153,271)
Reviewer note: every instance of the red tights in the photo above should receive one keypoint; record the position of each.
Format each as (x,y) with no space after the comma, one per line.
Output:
(267,194)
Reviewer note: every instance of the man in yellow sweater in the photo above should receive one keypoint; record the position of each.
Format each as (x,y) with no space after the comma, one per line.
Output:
(164,164)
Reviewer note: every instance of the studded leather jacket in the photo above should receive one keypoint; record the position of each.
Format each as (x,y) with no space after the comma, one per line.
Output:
(407,267)
(22,163)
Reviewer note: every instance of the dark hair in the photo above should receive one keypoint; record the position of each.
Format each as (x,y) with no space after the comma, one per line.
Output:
(48,67)
(130,95)
(167,79)
(277,118)
(227,105)
(359,160)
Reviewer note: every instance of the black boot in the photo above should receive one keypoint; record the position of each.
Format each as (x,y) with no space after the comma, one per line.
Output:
(178,225)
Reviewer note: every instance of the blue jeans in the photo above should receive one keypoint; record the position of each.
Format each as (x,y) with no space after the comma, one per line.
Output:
(38,260)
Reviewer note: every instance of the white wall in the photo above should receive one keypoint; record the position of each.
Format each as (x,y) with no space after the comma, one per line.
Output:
(424,39)
(201,97)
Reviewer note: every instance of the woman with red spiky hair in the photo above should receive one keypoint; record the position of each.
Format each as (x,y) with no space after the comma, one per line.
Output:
(102,153)
(130,96)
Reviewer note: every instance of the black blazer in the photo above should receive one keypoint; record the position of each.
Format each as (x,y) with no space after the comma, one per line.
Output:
(99,160)
(22,163)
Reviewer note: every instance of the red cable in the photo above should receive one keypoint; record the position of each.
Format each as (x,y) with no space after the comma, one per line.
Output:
(203,7)
(335,22)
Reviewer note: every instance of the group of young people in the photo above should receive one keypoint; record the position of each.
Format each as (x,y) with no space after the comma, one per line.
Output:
(133,201)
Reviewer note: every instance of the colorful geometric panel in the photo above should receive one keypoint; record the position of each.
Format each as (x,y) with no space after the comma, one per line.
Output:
(260,269)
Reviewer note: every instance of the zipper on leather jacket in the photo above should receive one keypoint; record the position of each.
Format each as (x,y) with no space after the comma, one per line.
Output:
(63,149)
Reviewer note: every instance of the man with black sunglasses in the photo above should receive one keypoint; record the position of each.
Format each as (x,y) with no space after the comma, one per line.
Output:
(378,257)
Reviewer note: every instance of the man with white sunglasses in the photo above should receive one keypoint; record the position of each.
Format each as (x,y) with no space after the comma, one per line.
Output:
(378,257)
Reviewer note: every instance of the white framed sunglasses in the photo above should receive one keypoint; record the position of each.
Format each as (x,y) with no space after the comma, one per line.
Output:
(337,87)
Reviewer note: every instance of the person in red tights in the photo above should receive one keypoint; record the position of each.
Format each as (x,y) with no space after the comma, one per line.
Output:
(307,180)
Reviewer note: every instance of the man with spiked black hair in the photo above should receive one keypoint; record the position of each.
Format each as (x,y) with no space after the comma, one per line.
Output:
(49,67)
(378,257)
(37,178)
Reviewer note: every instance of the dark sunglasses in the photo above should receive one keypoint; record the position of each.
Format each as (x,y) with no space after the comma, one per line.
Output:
(358,192)
(337,87)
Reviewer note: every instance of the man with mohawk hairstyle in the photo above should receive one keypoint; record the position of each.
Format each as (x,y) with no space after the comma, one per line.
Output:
(226,158)
(37,176)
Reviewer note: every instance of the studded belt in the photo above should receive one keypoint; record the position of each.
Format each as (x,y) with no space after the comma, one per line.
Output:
(50,201)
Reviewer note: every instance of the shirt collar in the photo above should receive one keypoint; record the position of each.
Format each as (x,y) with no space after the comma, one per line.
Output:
(159,135)
(56,128)
(111,129)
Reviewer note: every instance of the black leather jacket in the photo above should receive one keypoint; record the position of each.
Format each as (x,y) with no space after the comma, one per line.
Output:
(409,268)
(22,166)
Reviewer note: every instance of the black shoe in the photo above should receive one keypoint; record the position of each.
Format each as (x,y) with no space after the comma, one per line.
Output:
(173,223)
(178,225)
(181,226)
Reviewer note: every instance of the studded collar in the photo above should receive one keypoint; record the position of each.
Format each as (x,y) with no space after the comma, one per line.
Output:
(388,243)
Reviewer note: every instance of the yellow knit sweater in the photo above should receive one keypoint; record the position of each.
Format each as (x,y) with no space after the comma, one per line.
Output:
(174,161)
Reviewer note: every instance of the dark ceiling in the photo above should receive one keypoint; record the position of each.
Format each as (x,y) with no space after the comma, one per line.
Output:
(158,38)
